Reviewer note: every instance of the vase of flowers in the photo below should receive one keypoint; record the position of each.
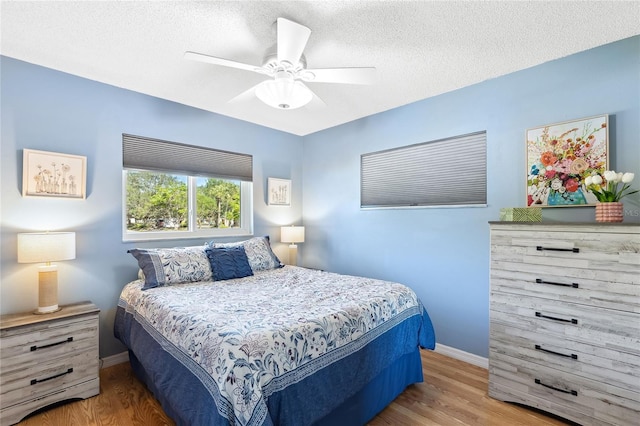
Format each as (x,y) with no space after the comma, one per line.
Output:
(609,190)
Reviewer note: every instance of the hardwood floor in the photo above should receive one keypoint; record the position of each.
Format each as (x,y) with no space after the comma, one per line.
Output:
(453,393)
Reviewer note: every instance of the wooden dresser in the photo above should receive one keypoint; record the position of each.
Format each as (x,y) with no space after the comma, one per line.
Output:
(565,319)
(47,358)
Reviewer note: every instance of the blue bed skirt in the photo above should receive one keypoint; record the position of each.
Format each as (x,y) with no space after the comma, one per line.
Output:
(351,391)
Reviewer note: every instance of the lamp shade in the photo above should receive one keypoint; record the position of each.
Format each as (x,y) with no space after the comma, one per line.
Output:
(38,247)
(292,234)
(284,92)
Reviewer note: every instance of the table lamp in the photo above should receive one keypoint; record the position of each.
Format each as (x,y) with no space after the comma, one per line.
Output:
(46,247)
(292,235)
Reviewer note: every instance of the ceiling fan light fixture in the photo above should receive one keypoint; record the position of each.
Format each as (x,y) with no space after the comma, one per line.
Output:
(284,93)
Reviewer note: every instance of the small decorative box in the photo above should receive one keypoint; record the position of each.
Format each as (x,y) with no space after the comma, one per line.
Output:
(521,214)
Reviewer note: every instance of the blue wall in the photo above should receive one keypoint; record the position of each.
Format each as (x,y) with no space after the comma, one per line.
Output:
(52,111)
(443,254)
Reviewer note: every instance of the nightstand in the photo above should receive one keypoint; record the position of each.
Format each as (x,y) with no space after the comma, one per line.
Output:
(46,359)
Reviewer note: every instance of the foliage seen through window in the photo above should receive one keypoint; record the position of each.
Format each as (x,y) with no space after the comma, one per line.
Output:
(160,202)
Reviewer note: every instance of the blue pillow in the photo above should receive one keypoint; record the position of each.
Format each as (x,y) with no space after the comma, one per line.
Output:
(259,253)
(228,262)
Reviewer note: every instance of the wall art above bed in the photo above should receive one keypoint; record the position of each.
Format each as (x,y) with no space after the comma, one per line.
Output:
(561,156)
(49,174)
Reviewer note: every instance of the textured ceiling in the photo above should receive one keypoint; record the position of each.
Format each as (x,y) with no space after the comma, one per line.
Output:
(420,48)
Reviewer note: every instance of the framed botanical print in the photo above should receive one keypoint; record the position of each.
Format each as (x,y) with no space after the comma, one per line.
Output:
(50,174)
(279,192)
(561,156)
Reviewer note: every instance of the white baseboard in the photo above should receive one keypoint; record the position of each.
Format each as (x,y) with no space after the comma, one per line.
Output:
(112,360)
(462,356)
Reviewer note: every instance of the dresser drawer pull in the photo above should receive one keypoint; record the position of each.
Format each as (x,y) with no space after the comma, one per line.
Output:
(540,348)
(572,392)
(35,348)
(573,285)
(573,250)
(572,320)
(36,381)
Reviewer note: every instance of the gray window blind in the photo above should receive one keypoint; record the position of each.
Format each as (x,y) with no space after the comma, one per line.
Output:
(154,154)
(445,172)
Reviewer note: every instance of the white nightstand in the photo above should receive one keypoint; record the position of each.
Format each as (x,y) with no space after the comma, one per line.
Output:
(46,359)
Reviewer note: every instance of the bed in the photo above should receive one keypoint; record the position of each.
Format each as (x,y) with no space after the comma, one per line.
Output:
(272,345)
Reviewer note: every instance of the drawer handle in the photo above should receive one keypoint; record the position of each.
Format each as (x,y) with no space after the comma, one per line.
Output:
(36,381)
(572,392)
(540,348)
(572,285)
(573,250)
(35,348)
(572,320)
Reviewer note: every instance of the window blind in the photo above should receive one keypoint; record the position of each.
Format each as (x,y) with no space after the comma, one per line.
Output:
(154,154)
(445,172)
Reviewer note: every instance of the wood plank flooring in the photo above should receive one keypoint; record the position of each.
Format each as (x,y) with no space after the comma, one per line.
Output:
(453,393)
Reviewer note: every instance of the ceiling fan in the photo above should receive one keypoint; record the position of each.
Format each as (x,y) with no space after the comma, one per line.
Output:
(286,66)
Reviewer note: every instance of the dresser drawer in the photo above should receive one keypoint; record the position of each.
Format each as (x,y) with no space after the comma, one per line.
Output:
(527,264)
(600,327)
(29,347)
(577,398)
(600,252)
(570,356)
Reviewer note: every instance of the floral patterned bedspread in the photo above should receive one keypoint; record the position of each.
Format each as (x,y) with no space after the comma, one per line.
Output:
(283,323)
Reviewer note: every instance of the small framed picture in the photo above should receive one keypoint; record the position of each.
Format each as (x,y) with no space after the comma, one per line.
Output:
(50,174)
(279,192)
(561,156)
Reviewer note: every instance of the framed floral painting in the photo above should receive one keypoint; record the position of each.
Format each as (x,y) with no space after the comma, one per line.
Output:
(561,156)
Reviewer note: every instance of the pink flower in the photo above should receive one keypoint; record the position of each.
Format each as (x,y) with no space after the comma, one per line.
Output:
(571,185)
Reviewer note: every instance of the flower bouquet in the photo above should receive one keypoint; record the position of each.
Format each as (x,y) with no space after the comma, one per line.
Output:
(609,190)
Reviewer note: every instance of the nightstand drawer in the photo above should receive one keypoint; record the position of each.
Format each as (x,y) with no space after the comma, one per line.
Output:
(14,413)
(45,359)
(34,345)
(48,376)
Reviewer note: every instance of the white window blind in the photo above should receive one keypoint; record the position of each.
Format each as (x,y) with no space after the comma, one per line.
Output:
(445,172)
(154,154)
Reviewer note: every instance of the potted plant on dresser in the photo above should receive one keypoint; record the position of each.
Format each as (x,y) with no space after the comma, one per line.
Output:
(609,189)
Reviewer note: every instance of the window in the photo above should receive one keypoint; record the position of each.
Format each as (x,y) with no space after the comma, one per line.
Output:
(446,172)
(174,190)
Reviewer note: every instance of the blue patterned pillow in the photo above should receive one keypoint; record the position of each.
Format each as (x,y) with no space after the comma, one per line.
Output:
(259,253)
(172,265)
(228,262)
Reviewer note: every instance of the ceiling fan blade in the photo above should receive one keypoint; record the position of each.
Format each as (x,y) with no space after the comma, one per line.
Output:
(223,62)
(292,39)
(340,75)
(316,103)
(246,96)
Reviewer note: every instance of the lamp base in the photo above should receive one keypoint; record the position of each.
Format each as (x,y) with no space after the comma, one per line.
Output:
(47,290)
(293,255)
(47,310)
